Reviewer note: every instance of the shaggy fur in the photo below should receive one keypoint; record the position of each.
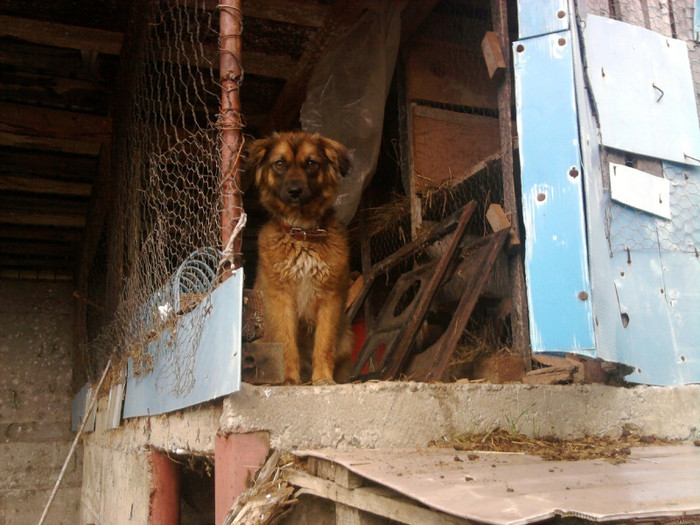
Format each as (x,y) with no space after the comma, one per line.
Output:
(303,256)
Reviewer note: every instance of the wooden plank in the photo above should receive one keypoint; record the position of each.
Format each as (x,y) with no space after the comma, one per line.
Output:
(47,164)
(42,218)
(491,49)
(44,185)
(448,74)
(40,233)
(431,364)
(519,313)
(297,12)
(550,376)
(395,358)
(498,220)
(325,469)
(447,145)
(61,35)
(402,254)
(28,120)
(78,147)
(375,501)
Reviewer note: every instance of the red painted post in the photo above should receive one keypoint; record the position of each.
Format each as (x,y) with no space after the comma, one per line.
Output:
(230,121)
(237,458)
(165,490)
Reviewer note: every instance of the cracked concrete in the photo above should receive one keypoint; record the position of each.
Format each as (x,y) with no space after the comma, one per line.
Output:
(401,414)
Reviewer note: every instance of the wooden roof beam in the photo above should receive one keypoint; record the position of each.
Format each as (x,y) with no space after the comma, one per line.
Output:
(61,35)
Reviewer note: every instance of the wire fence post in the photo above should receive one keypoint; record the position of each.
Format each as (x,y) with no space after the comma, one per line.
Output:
(230,126)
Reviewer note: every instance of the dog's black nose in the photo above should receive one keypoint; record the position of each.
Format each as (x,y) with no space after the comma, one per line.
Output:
(295,191)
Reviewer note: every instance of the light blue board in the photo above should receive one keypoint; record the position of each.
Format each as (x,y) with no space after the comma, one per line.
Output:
(539,17)
(643,90)
(198,361)
(660,294)
(661,338)
(556,261)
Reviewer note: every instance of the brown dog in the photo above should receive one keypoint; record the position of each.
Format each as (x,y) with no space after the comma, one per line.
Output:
(303,255)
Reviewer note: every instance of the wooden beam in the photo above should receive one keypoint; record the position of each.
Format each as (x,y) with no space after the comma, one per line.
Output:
(55,165)
(109,42)
(33,121)
(370,499)
(519,316)
(45,218)
(61,35)
(27,233)
(44,185)
(298,12)
(34,248)
(77,147)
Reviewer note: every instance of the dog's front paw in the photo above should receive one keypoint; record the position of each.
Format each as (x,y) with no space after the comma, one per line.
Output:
(323,382)
(291,382)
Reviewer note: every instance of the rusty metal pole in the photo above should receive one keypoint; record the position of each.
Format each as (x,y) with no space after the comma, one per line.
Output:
(519,316)
(230,124)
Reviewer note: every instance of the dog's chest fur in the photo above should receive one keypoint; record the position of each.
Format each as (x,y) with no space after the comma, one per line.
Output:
(306,270)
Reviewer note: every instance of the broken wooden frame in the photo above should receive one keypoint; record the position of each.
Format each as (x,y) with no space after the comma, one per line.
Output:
(396,326)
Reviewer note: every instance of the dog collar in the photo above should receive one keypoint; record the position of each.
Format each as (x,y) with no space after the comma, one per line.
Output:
(300,234)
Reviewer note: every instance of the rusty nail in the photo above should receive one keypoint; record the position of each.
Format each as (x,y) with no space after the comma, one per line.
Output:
(561,14)
(573,173)
(541,197)
(520,48)
(562,41)
(629,256)
(583,295)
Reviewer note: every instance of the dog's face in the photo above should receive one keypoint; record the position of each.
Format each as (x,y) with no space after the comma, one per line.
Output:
(297,173)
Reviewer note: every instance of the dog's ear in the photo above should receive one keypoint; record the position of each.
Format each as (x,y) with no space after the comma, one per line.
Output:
(337,154)
(255,154)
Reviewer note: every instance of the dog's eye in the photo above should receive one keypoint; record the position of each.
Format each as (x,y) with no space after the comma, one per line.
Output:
(311,164)
(279,165)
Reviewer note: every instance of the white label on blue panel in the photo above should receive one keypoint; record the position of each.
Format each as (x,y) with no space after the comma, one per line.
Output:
(640,190)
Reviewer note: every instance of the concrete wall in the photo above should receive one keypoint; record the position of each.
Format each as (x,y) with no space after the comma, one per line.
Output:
(35,402)
(117,475)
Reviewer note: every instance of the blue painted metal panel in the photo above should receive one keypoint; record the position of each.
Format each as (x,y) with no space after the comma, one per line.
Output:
(198,360)
(643,90)
(659,297)
(539,17)
(556,261)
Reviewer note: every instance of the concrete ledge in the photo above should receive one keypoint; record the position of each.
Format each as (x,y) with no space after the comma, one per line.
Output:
(404,414)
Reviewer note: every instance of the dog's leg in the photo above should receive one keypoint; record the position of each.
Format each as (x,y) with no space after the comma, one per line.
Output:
(325,340)
(281,326)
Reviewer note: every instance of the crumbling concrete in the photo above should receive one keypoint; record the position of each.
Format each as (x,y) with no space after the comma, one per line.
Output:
(117,474)
(401,414)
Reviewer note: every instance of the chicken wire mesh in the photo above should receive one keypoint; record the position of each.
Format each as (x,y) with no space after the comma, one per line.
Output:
(160,253)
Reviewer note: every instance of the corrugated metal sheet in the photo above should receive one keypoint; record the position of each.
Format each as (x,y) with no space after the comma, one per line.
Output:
(556,262)
(514,489)
(194,362)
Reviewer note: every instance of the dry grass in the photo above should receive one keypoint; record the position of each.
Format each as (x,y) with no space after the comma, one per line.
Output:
(551,448)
